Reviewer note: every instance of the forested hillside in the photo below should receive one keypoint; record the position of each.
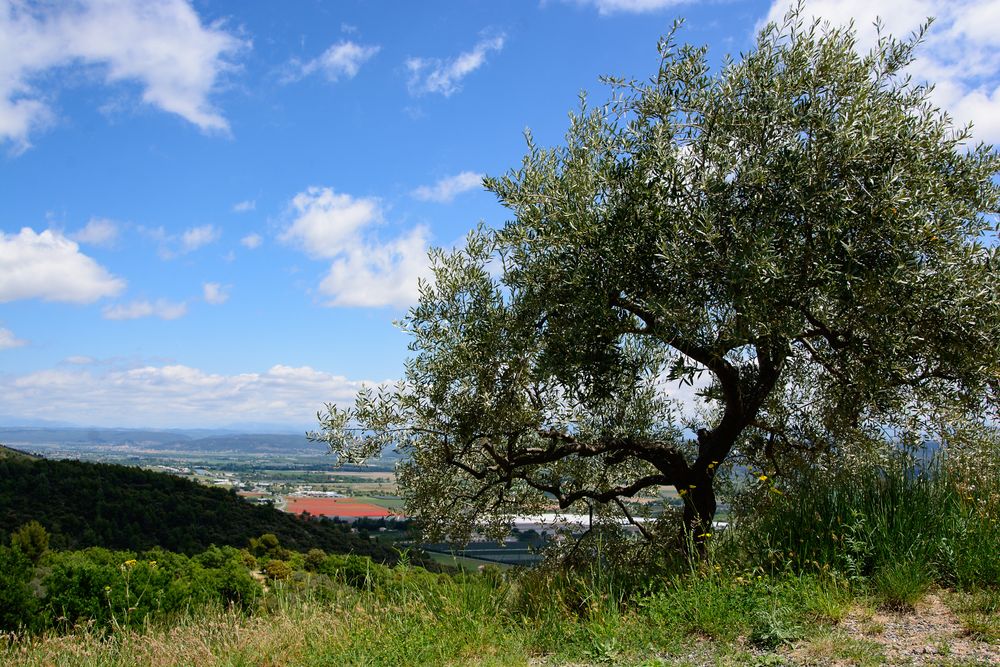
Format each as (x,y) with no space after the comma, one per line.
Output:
(118,507)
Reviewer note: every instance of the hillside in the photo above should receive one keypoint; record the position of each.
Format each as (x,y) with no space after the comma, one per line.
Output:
(119,507)
(17,454)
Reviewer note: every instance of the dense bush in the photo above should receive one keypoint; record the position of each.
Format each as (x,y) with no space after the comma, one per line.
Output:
(124,588)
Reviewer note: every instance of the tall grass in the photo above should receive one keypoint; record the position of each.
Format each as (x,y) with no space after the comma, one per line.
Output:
(903,527)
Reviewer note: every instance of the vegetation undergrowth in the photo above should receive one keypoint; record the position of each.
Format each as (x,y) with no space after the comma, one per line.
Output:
(790,574)
(895,529)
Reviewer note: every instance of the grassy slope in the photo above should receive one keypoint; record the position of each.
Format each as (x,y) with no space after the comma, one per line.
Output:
(697,620)
(15,454)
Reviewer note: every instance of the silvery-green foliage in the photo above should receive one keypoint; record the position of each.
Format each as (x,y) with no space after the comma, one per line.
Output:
(802,227)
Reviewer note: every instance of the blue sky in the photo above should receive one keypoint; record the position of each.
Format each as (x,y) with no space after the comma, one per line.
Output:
(211,212)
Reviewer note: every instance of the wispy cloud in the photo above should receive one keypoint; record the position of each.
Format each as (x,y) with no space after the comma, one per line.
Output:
(173,245)
(98,232)
(161,308)
(251,241)
(161,44)
(448,188)
(629,6)
(196,237)
(342,60)
(215,294)
(364,270)
(8,340)
(50,267)
(444,76)
(245,206)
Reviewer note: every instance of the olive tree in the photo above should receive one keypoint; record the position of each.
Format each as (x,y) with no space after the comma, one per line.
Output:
(799,234)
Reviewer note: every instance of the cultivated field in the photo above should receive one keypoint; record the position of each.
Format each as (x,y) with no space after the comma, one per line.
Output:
(342,507)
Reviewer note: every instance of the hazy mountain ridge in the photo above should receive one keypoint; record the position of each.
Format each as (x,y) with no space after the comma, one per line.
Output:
(176,440)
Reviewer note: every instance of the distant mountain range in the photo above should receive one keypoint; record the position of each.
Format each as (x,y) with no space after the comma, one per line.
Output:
(167,440)
(150,440)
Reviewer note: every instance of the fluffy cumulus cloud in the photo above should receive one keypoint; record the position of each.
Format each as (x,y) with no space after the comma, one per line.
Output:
(341,61)
(161,45)
(327,223)
(174,395)
(215,294)
(444,76)
(448,188)
(378,274)
(364,270)
(98,232)
(51,267)
(8,340)
(161,308)
(961,53)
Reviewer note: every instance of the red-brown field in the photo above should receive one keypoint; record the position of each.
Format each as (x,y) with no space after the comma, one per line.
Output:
(335,507)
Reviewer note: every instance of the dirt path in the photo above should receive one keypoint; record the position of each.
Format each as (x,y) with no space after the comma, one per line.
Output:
(930,634)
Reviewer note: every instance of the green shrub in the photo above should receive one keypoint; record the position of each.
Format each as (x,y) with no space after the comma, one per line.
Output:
(357,571)
(277,570)
(31,539)
(18,606)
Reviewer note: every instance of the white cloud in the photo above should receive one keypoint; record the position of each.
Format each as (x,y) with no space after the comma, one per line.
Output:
(196,237)
(448,188)
(135,310)
(215,294)
(78,360)
(433,75)
(341,60)
(251,241)
(630,6)
(99,232)
(159,44)
(327,223)
(173,245)
(175,395)
(961,53)
(364,270)
(8,340)
(51,267)
(245,206)
(379,274)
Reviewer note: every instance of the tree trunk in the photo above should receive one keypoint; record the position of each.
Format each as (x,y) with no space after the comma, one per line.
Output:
(699,511)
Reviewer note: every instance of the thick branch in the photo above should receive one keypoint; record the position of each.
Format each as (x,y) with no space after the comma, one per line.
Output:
(726,373)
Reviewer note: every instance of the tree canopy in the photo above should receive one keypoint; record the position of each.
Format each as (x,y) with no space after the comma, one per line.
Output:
(799,234)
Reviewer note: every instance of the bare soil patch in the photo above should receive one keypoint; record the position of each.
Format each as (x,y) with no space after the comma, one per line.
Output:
(930,634)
